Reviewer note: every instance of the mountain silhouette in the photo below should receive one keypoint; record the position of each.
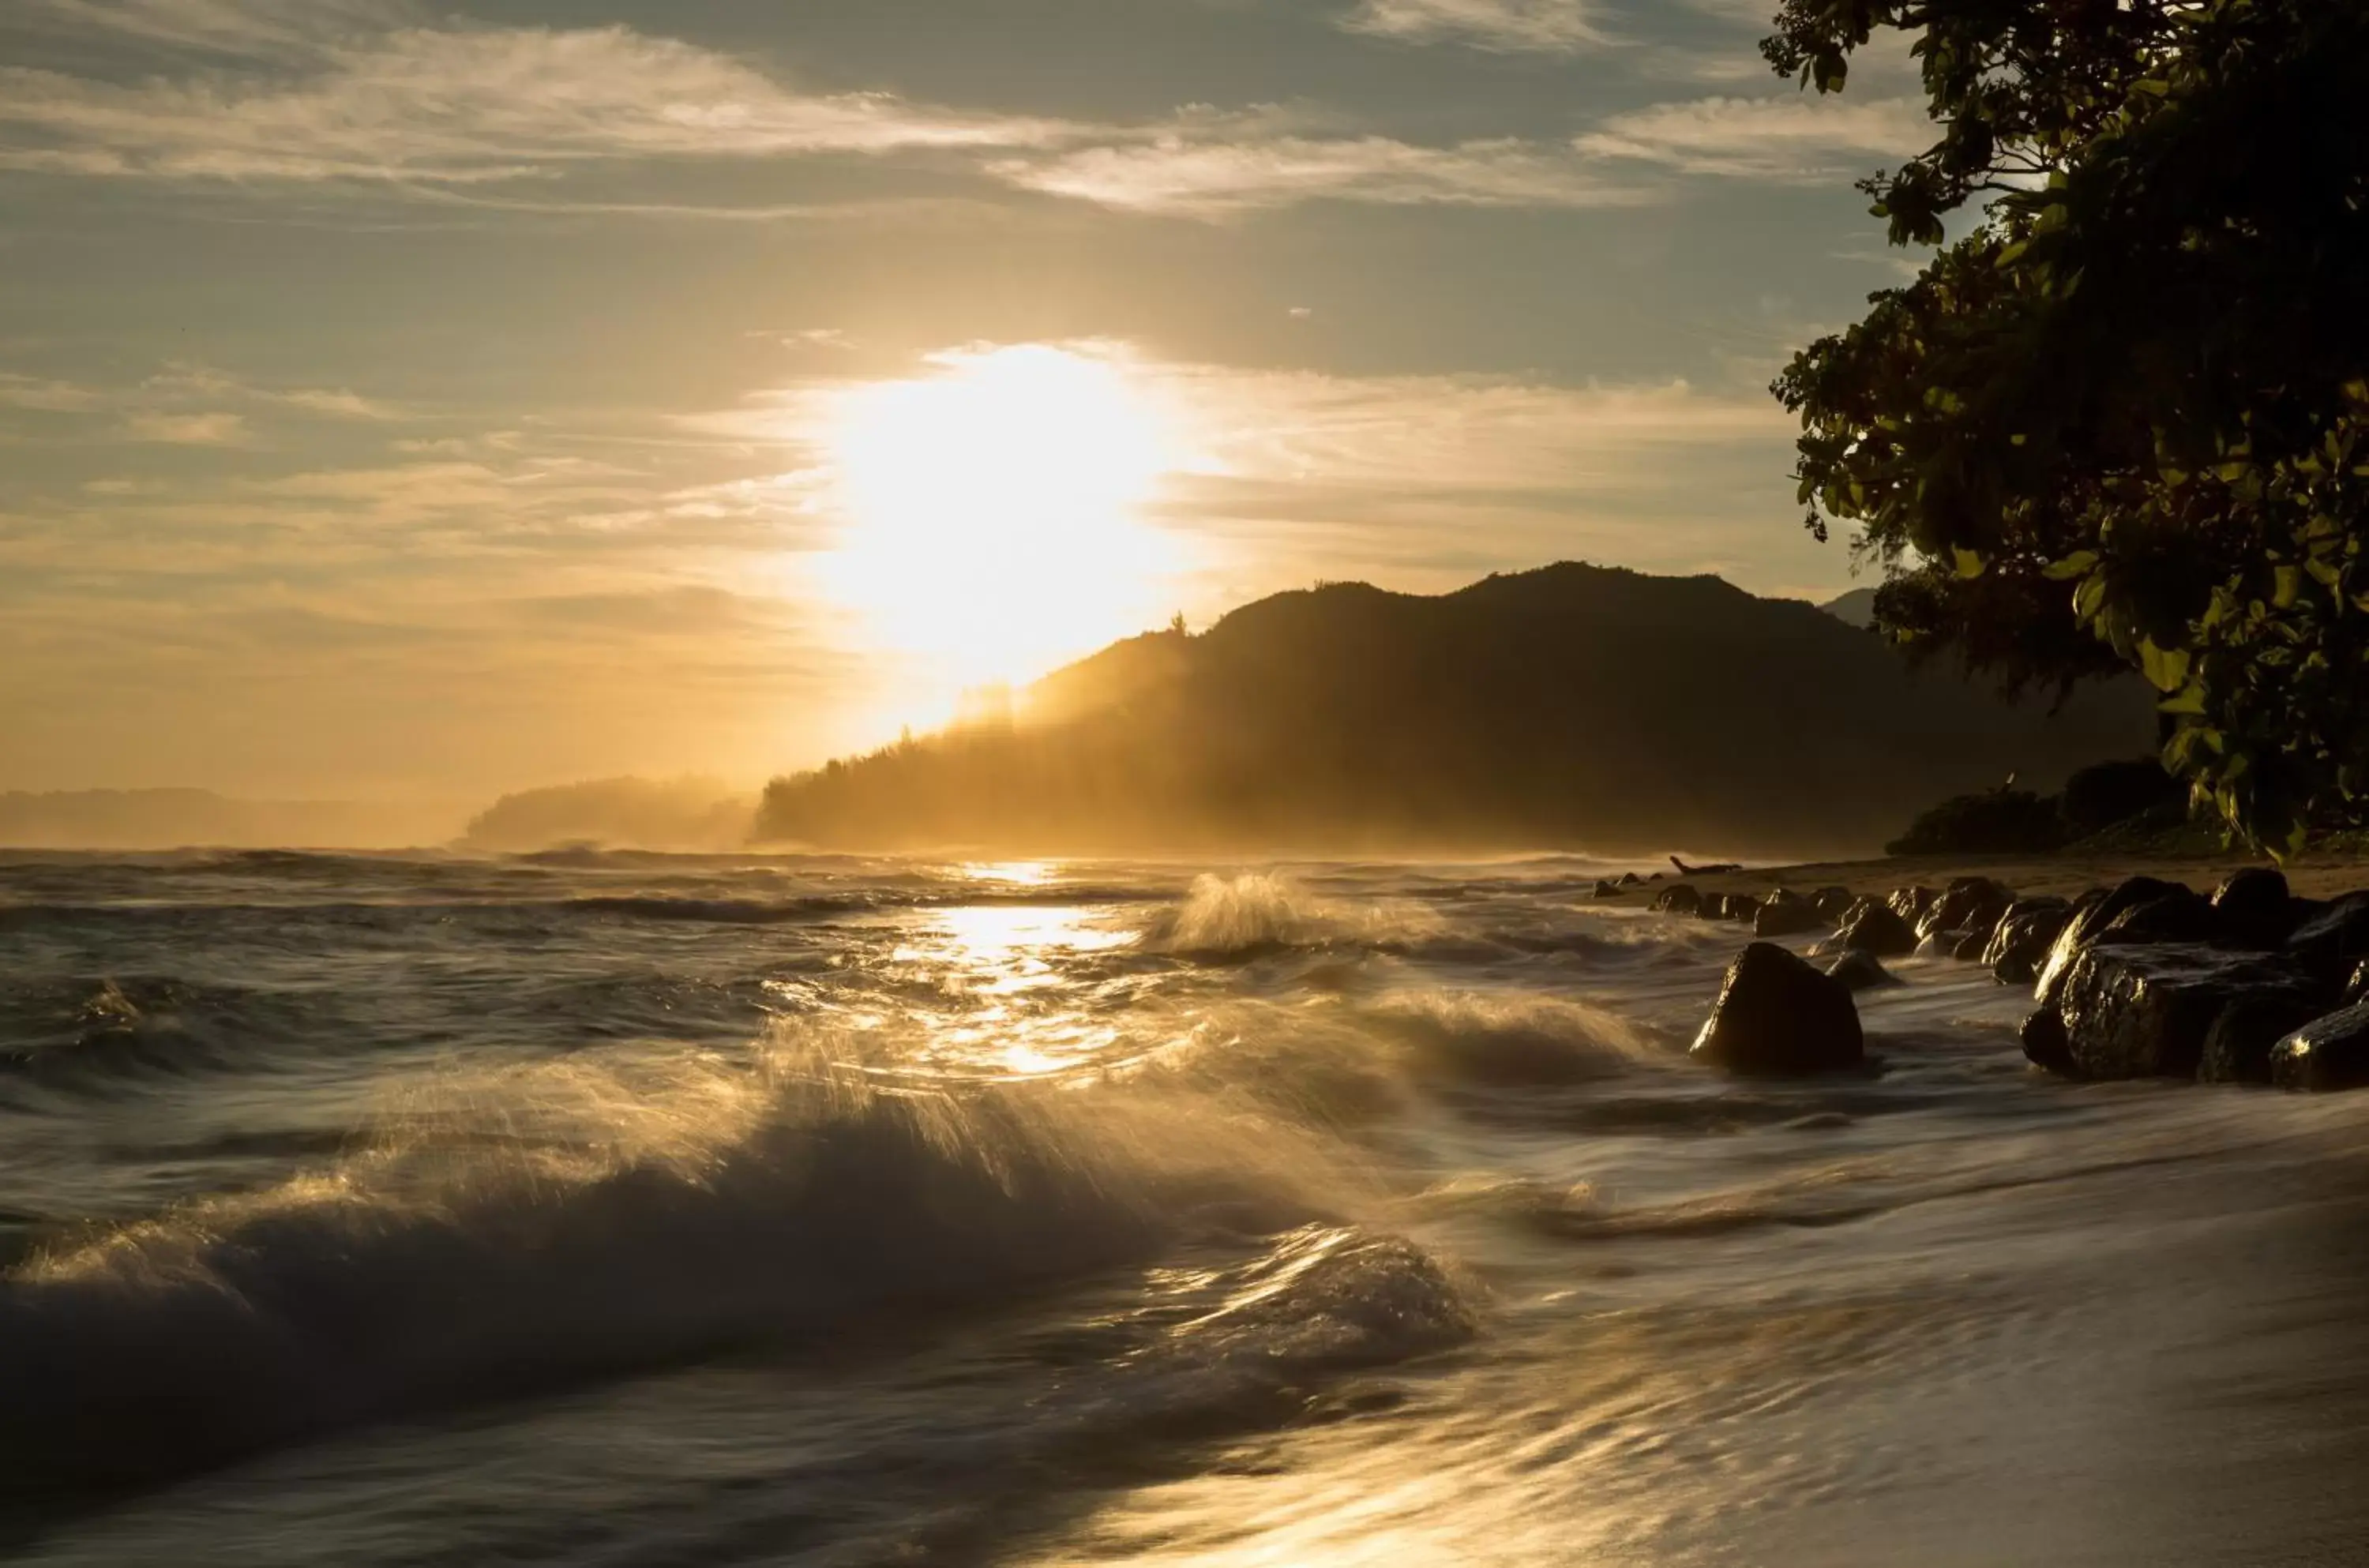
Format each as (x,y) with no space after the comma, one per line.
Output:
(1574,706)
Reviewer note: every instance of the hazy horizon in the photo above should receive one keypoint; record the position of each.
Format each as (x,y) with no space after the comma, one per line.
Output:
(417,404)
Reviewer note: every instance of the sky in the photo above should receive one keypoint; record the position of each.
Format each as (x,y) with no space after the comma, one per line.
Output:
(400,401)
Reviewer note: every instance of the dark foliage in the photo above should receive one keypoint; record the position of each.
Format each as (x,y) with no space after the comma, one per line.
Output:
(2013,821)
(2099,796)
(2120,423)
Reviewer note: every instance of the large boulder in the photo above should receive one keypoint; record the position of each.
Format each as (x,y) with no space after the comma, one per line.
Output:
(1967,905)
(1910,903)
(1834,903)
(2253,908)
(1777,1014)
(1607,889)
(1678,898)
(1860,971)
(2144,1011)
(2018,943)
(2331,1052)
(2042,1036)
(2238,1046)
(2180,915)
(2334,938)
(1874,927)
(1785,913)
(2090,916)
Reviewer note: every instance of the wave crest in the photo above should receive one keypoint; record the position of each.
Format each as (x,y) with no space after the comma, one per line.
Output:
(518,1232)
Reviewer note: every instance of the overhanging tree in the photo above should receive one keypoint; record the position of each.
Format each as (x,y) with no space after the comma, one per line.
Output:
(2124,420)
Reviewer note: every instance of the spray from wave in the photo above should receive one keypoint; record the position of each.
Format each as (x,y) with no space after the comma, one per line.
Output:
(573,1219)
(1242,916)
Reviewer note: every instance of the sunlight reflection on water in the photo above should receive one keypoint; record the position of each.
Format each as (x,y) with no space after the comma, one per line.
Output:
(998,966)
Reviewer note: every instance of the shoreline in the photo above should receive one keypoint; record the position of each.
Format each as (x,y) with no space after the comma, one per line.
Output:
(2064,874)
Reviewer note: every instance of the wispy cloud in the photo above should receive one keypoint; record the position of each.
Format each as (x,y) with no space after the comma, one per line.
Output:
(1800,138)
(1550,26)
(244,27)
(187,404)
(455,107)
(217,429)
(43,395)
(1217,175)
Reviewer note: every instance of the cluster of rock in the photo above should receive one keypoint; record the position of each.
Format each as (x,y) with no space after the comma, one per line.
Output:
(2147,980)
(2253,985)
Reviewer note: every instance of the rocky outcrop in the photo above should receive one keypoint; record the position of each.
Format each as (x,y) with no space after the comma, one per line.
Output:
(1834,903)
(1785,913)
(1874,926)
(1860,971)
(1969,906)
(2252,908)
(1678,898)
(2334,938)
(2043,1041)
(2146,1011)
(2238,1046)
(2180,915)
(2019,941)
(2331,1052)
(1777,1014)
(2090,916)
(1910,903)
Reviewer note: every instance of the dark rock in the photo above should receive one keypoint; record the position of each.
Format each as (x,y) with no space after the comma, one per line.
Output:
(1969,949)
(2334,939)
(1777,1014)
(2144,1011)
(2252,909)
(2331,1052)
(1910,903)
(2019,941)
(1631,879)
(1678,900)
(1741,908)
(2090,916)
(1970,903)
(1877,928)
(2179,916)
(2045,1045)
(2238,1046)
(1939,945)
(1860,971)
(2356,985)
(1834,903)
(1784,913)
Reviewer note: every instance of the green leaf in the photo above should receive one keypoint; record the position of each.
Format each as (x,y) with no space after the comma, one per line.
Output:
(1969,565)
(2285,583)
(2166,668)
(2078,564)
(2188,701)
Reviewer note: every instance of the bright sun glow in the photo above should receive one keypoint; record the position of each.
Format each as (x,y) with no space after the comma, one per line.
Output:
(993,508)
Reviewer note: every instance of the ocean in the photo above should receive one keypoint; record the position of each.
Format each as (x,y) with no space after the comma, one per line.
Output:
(621,1209)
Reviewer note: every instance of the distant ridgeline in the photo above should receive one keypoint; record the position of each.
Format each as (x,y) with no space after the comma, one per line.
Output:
(1574,706)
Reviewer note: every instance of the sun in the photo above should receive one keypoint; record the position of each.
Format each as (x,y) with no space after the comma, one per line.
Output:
(992,509)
